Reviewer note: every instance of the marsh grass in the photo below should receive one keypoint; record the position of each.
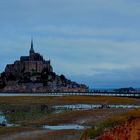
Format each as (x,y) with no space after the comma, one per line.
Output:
(110,123)
(69,100)
(35,111)
(20,113)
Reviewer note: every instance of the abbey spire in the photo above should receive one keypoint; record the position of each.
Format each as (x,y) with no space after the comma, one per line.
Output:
(32,48)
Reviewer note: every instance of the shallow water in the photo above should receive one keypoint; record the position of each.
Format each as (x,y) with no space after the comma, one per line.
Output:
(29,94)
(92,106)
(124,106)
(71,94)
(3,120)
(65,127)
(78,106)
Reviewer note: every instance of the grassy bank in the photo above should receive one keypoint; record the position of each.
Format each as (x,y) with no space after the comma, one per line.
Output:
(70,100)
(110,123)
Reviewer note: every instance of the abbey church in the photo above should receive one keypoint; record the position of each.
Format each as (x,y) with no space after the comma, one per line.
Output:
(33,73)
(32,63)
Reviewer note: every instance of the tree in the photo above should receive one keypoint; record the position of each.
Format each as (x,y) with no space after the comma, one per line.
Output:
(62,77)
(3,75)
(44,75)
(53,75)
(11,77)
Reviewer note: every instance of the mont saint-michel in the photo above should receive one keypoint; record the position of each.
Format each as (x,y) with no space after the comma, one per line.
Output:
(33,73)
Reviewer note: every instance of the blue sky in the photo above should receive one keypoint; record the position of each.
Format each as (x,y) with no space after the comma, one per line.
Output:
(96,42)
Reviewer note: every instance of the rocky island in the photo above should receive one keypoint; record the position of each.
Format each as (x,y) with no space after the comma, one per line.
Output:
(33,73)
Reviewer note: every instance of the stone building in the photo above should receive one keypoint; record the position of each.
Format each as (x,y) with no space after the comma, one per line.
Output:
(33,73)
(32,63)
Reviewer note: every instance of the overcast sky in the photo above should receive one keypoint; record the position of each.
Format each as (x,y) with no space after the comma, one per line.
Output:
(96,42)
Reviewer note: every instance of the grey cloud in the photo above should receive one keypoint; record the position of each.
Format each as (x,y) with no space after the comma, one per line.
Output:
(111,79)
(98,37)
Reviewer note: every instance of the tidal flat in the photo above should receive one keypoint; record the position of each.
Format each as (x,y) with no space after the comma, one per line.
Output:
(30,114)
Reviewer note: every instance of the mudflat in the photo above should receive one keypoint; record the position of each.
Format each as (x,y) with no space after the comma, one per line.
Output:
(31,113)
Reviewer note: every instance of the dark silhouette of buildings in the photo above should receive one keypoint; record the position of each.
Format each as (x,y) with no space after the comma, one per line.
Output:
(32,63)
(33,73)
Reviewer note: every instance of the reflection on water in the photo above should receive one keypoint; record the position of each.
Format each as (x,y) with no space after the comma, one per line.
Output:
(30,94)
(72,94)
(124,106)
(78,106)
(65,127)
(92,106)
(3,120)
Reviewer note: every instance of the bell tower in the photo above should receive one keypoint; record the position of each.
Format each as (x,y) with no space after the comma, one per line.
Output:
(32,47)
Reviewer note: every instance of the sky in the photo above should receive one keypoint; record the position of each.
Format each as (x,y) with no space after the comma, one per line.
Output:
(96,42)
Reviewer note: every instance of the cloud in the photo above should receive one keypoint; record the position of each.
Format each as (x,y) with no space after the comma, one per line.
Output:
(71,12)
(111,78)
(87,32)
(96,38)
(87,54)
